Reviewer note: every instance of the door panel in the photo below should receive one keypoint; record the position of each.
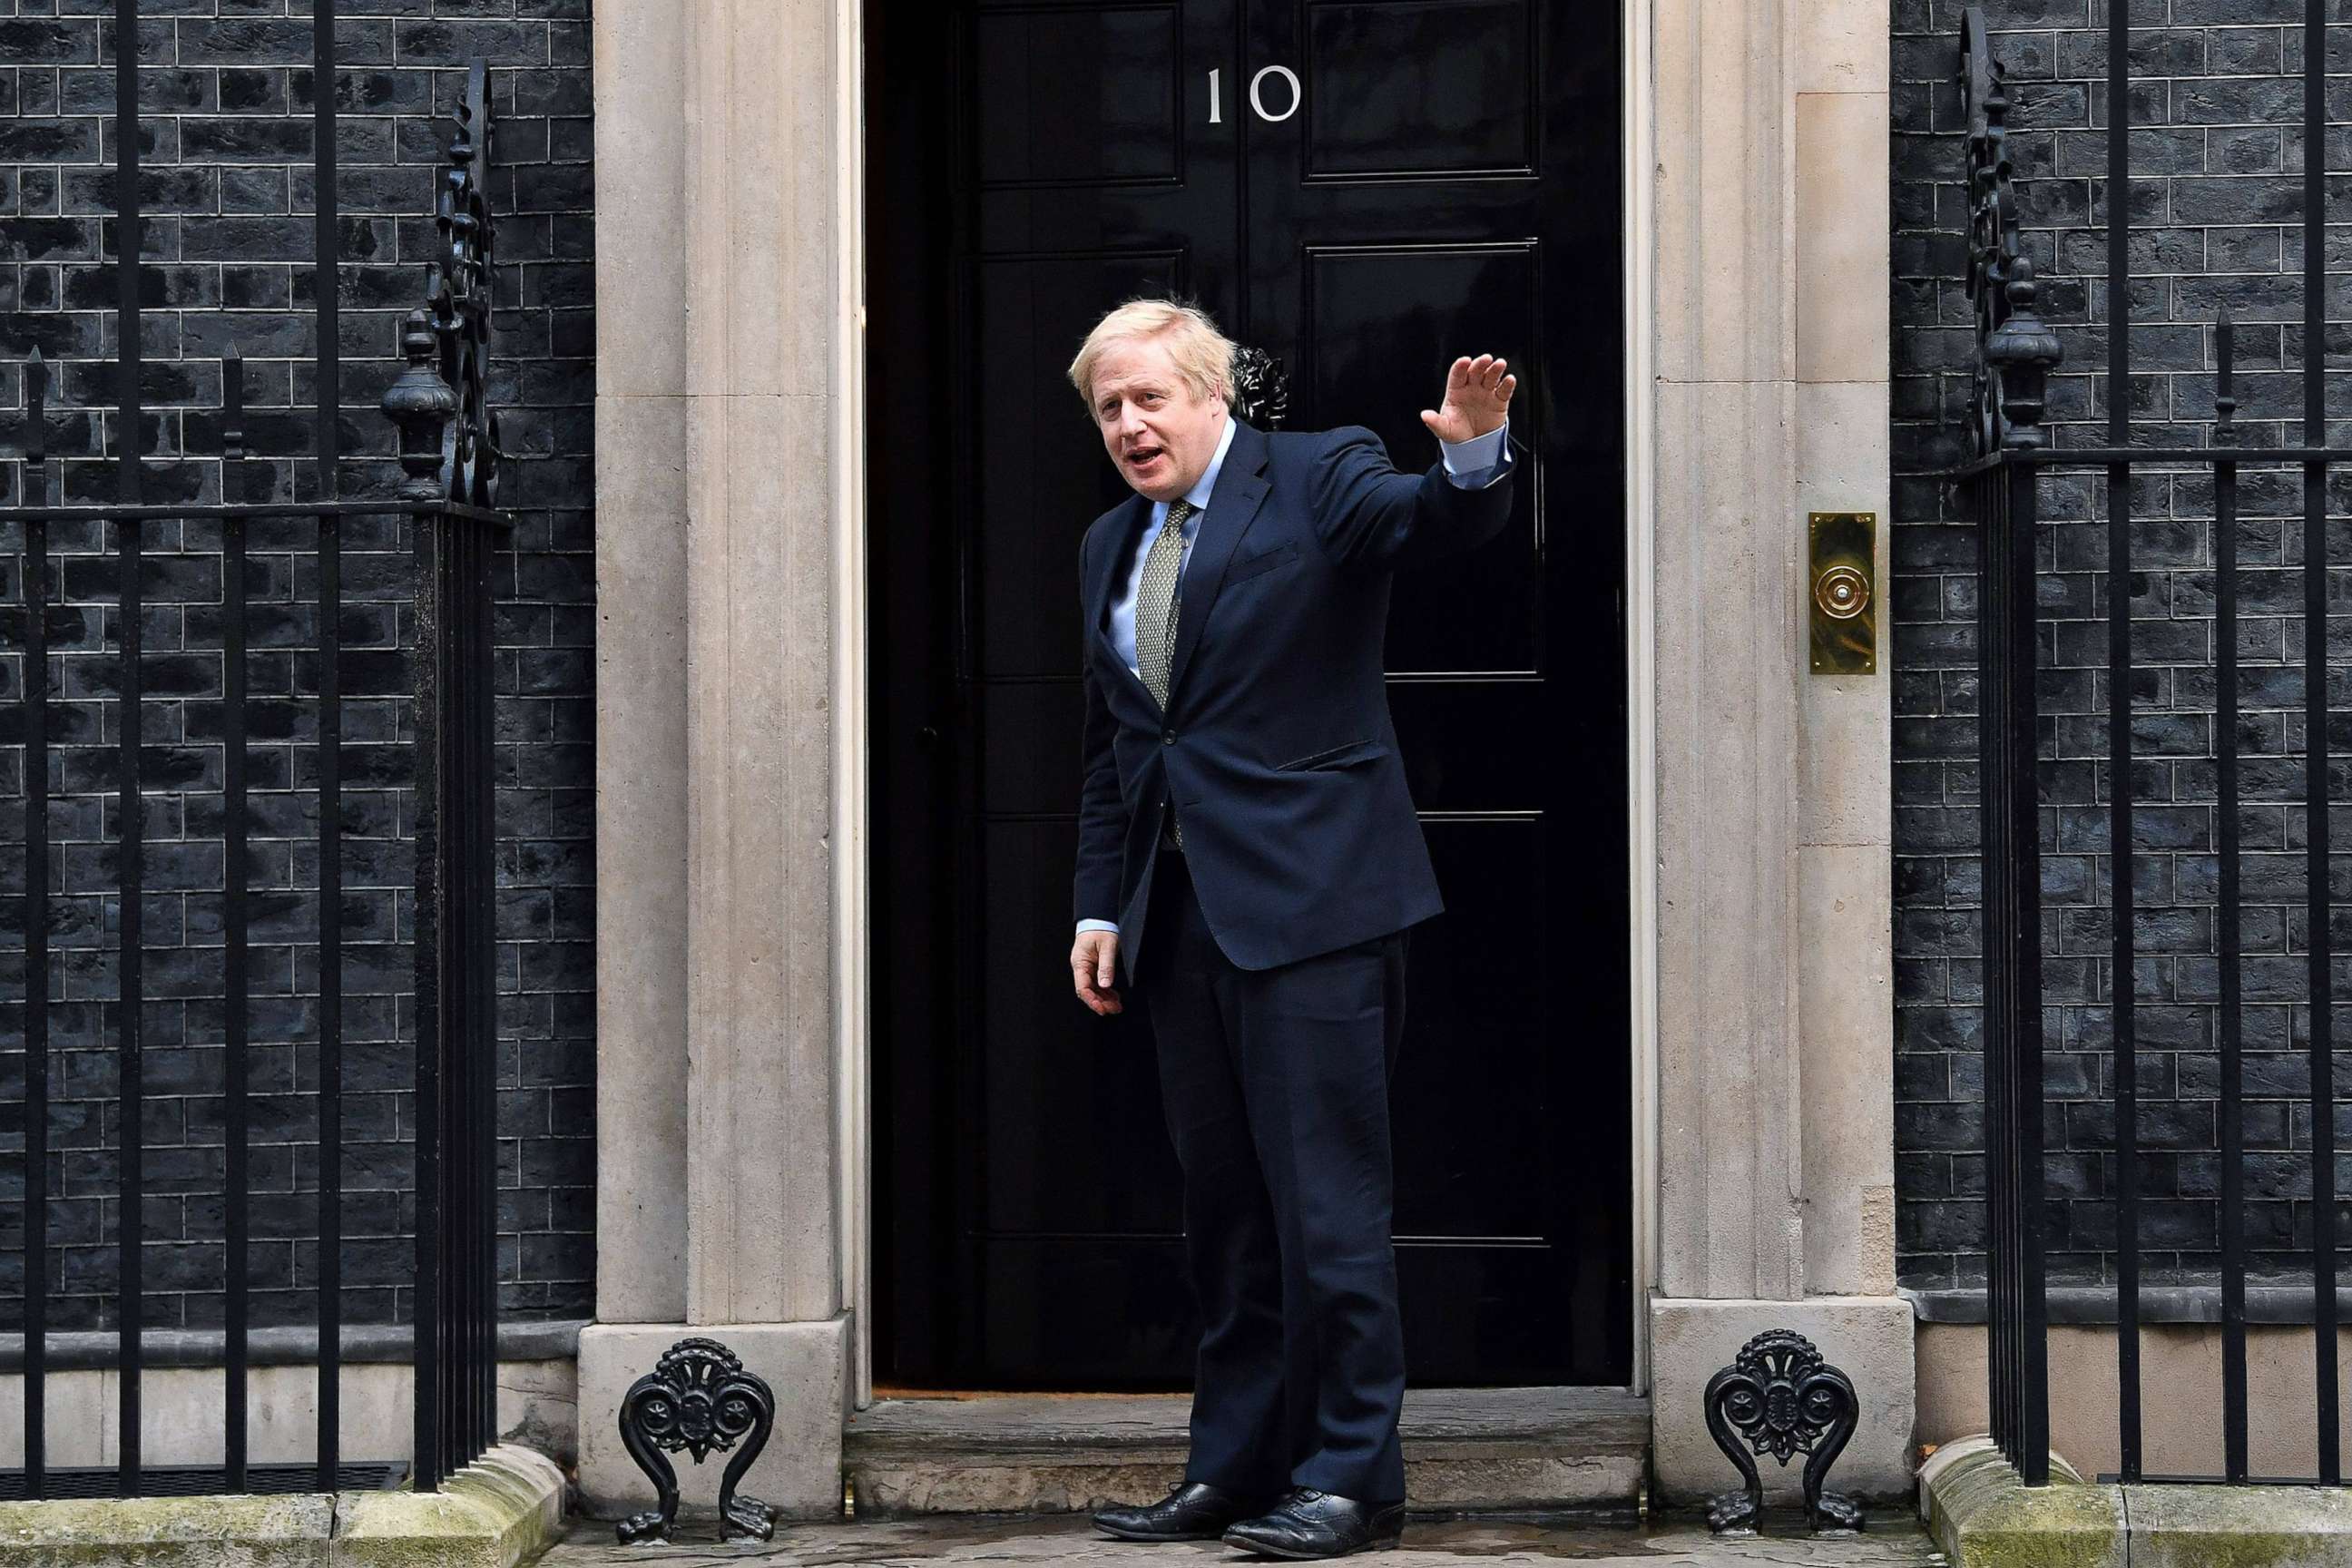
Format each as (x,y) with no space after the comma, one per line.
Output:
(1039,462)
(1474,1127)
(1071,1147)
(1442,182)
(1078,97)
(1093,1309)
(1465,742)
(1029,780)
(1379,326)
(1441,87)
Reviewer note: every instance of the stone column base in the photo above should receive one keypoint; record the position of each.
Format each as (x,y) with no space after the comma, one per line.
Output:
(799,1471)
(1866,1337)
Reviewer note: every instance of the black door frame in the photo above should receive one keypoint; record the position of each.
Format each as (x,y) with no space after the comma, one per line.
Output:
(908,234)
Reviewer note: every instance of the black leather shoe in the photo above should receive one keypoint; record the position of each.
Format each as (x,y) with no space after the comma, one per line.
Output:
(1194,1511)
(1309,1523)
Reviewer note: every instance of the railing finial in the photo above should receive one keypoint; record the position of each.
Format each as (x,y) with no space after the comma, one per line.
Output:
(422,405)
(2020,353)
(2016,351)
(447,341)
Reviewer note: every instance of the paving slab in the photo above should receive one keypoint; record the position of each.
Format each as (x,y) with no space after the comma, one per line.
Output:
(1892,1541)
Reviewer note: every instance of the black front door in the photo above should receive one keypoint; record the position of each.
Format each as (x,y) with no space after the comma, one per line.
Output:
(1364,189)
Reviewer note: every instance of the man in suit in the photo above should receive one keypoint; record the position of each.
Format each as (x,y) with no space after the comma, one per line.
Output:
(1248,857)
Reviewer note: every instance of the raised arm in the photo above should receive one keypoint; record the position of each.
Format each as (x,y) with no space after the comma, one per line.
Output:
(1368,513)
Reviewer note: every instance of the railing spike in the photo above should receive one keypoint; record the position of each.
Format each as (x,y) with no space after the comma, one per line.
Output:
(232,412)
(2225,367)
(36,409)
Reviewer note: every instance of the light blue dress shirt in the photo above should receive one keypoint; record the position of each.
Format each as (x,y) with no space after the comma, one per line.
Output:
(1471,465)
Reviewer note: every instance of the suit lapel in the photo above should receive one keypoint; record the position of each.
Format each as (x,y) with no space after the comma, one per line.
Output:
(1119,545)
(1232,507)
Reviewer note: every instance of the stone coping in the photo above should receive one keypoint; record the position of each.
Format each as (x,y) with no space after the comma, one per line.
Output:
(82,1349)
(2198,1303)
(1982,1516)
(503,1509)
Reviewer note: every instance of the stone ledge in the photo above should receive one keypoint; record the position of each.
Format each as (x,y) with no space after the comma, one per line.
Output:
(2174,1526)
(2158,1303)
(503,1509)
(1984,1517)
(552,1339)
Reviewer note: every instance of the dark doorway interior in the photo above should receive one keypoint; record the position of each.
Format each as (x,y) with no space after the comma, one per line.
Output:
(1418,178)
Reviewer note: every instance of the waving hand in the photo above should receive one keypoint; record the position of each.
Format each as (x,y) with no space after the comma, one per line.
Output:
(1477,393)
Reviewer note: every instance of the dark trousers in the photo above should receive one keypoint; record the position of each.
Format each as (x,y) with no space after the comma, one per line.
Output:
(1277,1088)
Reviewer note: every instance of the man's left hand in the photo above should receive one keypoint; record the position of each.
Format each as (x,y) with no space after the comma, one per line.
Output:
(1478,394)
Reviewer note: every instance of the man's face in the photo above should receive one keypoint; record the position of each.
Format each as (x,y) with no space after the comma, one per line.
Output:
(1160,437)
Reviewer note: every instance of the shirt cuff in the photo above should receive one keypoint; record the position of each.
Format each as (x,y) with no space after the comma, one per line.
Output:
(1086,926)
(1476,463)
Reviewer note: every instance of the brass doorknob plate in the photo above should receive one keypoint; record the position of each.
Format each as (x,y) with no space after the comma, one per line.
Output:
(1843,549)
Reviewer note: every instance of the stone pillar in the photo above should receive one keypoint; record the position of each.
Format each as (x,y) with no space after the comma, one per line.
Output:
(760,171)
(716,131)
(641,825)
(1729,565)
(1774,966)
(1845,784)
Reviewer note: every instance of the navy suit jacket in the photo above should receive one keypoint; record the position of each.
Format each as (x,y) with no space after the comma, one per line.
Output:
(1275,752)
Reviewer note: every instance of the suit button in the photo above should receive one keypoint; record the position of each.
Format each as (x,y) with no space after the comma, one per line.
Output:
(1168,737)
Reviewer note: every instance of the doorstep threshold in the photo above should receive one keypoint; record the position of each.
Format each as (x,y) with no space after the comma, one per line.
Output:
(1465,1448)
(1140,1427)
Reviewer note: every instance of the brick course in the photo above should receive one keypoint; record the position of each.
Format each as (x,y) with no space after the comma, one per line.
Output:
(2215,207)
(228,188)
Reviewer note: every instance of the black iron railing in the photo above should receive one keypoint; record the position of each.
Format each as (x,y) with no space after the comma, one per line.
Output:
(2010,451)
(446,510)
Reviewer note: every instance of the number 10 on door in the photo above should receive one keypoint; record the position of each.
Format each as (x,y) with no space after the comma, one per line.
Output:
(1256,94)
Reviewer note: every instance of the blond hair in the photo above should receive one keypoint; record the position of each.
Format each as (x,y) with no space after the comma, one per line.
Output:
(1203,355)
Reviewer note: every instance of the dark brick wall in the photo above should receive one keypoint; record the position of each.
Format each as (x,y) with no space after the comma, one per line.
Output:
(2215,209)
(226,129)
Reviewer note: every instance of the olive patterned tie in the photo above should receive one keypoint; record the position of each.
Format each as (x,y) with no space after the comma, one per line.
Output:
(1156,602)
(1155,615)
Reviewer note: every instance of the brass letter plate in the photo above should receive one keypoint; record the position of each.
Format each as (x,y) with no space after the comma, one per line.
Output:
(1843,605)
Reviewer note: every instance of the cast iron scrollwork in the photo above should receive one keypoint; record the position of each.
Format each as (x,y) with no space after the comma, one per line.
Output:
(698,1399)
(449,434)
(2016,350)
(1261,389)
(1781,1397)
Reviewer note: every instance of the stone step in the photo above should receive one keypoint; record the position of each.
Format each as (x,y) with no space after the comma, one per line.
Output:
(1465,1448)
